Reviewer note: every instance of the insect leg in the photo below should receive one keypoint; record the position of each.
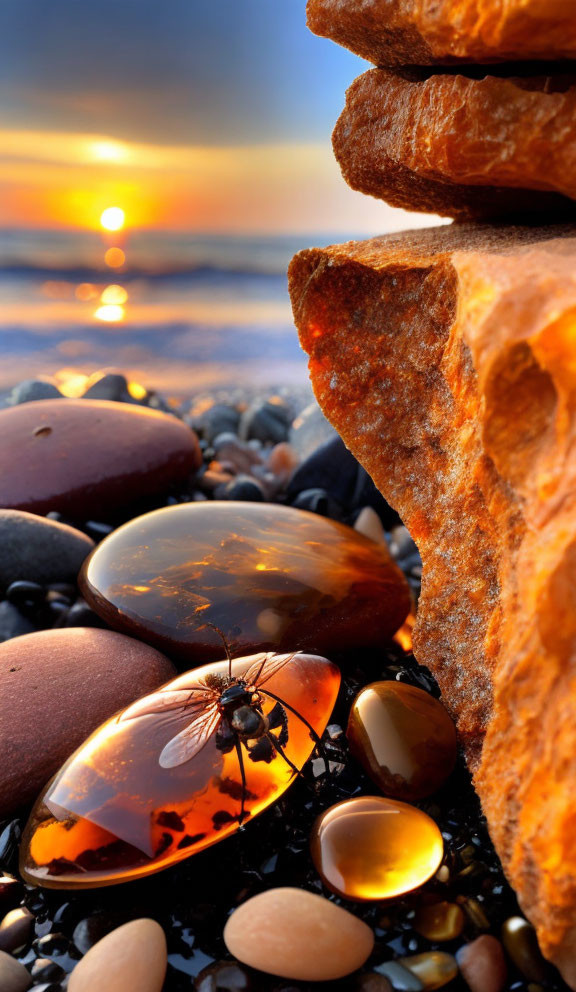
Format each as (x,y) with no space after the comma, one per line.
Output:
(313,734)
(243,777)
(278,747)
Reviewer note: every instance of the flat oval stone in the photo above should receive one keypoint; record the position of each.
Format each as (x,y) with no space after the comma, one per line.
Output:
(374,848)
(434,968)
(268,577)
(56,687)
(16,929)
(13,975)
(87,457)
(298,935)
(39,550)
(403,738)
(118,810)
(132,957)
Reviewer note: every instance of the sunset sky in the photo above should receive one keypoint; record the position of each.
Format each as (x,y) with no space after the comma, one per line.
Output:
(199,115)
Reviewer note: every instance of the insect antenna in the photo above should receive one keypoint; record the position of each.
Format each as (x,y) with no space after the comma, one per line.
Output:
(313,734)
(243,777)
(224,642)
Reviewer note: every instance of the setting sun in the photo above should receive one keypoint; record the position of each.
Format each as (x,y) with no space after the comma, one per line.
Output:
(112,219)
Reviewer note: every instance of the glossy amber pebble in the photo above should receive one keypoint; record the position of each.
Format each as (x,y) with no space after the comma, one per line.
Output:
(269,577)
(439,921)
(403,738)
(375,848)
(434,968)
(114,813)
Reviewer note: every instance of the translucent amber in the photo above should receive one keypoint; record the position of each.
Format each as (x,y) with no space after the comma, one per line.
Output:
(269,577)
(375,848)
(403,738)
(113,813)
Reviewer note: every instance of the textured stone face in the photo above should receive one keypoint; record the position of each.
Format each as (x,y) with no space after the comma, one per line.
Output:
(461,146)
(445,358)
(418,32)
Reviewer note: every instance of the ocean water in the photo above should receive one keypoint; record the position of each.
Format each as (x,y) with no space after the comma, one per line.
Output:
(199,313)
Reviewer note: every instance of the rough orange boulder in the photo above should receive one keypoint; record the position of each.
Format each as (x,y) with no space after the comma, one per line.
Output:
(446,359)
(418,32)
(461,146)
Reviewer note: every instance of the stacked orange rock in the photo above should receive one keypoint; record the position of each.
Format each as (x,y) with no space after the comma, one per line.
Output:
(436,129)
(446,358)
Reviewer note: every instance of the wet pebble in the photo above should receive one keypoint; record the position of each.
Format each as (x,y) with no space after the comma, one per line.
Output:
(45,970)
(400,977)
(13,623)
(483,965)
(56,687)
(16,929)
(223,976)
(85,457)
(403,738)
(318,501)
(39,550)
(282,461)
(434,969)
(244,488)
(13,975)
(31,390)
(217,419)
(296,934)
(107,386)
(439,921)
(369,848)
(268,422)
(133,956)
(521,944)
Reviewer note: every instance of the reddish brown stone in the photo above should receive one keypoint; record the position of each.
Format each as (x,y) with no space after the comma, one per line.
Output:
(418,32)
(56,687)
(446,359)
(459,146)
(86,457)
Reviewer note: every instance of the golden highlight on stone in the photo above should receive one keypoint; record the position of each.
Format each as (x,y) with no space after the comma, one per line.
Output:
(375,848)
(403,738)
(267,577)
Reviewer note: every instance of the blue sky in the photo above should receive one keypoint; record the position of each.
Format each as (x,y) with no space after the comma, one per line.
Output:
(221,72)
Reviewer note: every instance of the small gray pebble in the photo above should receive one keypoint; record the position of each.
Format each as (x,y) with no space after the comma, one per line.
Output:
(402,980)
(34,389)
(35,549)
(12,622)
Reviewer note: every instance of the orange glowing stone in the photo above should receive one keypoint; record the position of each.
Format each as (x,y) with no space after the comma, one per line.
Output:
(403,738)
(375,848)
(269,577)
(162,780)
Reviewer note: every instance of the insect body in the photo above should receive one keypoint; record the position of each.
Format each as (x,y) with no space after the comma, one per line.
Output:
(230,708)
(179,770)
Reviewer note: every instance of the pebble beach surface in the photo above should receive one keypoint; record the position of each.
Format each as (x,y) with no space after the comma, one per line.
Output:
(233,916)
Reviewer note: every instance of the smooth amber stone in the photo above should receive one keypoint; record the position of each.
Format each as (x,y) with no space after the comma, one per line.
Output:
(113,813)
(403,738)
(434,969)
(439,921)
(375,848)
(269,577)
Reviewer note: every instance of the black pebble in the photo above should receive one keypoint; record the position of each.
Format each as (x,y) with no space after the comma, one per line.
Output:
(334,469)
(244,488)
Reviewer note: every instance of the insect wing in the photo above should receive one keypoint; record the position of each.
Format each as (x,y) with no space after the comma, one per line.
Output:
(166,702)
(192,739)
(267,666)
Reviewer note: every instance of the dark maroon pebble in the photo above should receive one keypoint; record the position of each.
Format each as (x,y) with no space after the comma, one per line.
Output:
(86,457)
